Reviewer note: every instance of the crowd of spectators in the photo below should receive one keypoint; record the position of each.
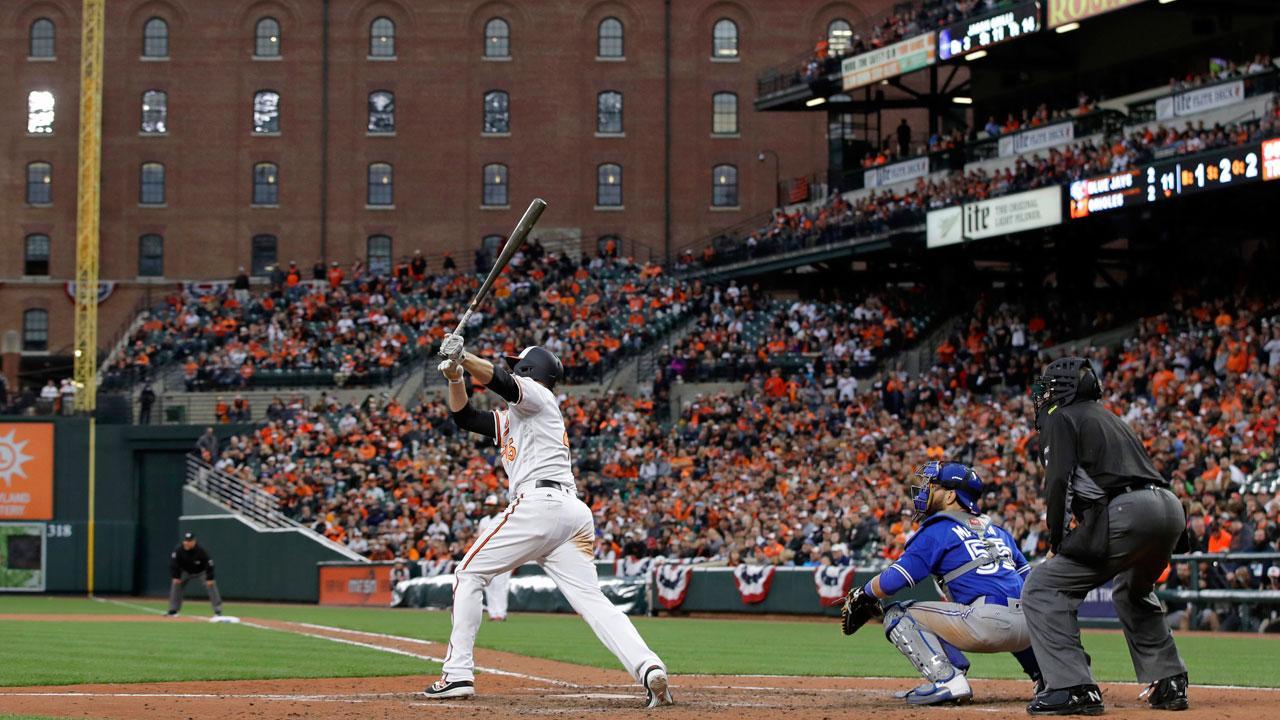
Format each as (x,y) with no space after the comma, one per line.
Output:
(360,329)
(743,333)
(844,216)
(811,467)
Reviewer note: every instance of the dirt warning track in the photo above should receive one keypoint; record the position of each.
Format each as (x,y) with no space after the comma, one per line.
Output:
(514,685)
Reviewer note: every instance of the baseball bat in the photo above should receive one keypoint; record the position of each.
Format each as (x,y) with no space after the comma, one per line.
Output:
(514,243)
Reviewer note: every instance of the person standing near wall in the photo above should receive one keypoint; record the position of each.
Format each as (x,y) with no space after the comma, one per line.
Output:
(191,561)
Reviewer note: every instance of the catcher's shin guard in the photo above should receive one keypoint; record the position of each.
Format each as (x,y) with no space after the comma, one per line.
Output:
(924,649)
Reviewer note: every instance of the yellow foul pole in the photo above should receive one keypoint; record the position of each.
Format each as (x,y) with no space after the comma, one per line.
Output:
(87,238)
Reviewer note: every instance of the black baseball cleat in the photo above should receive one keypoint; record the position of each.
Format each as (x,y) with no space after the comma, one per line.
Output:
(1078,700)
(442,690)
(1167,694)
(657,686)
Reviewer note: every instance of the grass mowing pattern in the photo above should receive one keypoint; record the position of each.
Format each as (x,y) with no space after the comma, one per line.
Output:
(52,653)
(746,647)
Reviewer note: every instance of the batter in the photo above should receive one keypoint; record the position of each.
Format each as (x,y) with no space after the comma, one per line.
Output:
(545,523)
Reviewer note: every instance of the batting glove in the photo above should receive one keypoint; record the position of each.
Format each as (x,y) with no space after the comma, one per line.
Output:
(451,369)
(451,346)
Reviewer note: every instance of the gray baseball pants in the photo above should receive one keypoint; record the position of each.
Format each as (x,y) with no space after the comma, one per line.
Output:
(176,588)
(1144,526)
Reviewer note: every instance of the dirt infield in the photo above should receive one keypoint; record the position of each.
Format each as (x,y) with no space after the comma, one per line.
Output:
(514,685)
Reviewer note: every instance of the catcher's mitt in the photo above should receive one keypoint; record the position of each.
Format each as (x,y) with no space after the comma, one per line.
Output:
(859,607)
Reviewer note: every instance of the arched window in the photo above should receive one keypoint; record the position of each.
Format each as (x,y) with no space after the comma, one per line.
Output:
(155,112)
(155,38)
(36,258)
(839,37)
(497,117)
(41,39)
(151,256)
(609,38)
(609,112)
(724,113)
(609,185)
(497,38)
(724,186)
(492,244)
(35,330)
(266,112)
(379,254)
(40,106)
(495,184)
(39,183)
(724,39)
(607,245)
(381,187)
(382,111)
(382,38)
(266,38)
(263,254)
(151,184)
(266,184)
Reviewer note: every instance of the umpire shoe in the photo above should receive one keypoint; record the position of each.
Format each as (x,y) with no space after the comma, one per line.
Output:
(1078,700)
(1167,694)
(443,690)
(657,686)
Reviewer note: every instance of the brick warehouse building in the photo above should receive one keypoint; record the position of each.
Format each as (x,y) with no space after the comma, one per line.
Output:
(249,132)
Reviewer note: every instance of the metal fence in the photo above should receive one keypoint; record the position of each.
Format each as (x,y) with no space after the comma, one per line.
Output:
(247,500)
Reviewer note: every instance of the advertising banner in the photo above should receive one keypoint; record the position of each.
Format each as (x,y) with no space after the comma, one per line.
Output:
(26,471)
(968,36)
(1199,100)
(1062,12)
(1037,138)
(355,585)
(994,217)
(904,171)
(889,61)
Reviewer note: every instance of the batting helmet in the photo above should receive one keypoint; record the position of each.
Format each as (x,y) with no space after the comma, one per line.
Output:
(951,476)
(538,363)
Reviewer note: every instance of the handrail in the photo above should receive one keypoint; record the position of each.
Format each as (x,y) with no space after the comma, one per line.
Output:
(1254,84)
(240,497)
(252,504)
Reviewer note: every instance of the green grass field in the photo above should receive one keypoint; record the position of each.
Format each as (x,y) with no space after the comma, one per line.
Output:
(131,652)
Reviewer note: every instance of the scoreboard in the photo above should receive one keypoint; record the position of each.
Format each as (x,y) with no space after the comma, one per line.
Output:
(1174,177)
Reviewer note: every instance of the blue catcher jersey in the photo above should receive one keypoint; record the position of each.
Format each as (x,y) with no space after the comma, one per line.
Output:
(947,541)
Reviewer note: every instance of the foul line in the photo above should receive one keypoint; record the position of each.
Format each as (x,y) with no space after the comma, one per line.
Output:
(123,603)
(397,651)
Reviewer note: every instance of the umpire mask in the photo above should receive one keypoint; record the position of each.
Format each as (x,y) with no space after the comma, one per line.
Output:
(1065,381)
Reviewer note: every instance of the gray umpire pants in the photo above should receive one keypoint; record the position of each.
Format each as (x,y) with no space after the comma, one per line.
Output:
(1144,527)
(176,589)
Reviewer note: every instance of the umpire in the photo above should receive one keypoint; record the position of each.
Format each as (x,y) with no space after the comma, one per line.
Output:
(188,561)
(1127,525)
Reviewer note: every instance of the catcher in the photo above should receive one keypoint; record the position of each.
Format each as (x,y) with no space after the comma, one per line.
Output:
(978,569)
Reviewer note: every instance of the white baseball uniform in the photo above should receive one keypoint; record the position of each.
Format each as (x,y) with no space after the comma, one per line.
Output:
(495,593)
(546,525)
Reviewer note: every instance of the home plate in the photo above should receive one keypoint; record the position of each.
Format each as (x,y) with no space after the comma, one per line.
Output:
(224,619)
(598,696)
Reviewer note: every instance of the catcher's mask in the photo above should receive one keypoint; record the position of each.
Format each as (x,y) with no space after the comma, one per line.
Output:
(949,476)
(1065,381)
(538,363)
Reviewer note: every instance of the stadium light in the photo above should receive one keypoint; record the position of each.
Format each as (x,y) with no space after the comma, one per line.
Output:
(962,100)
(976,55)
(1067,28)
(815,102)
(1165,2)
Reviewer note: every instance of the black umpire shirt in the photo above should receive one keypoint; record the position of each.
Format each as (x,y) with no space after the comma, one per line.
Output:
(1088,451)
(192,562)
